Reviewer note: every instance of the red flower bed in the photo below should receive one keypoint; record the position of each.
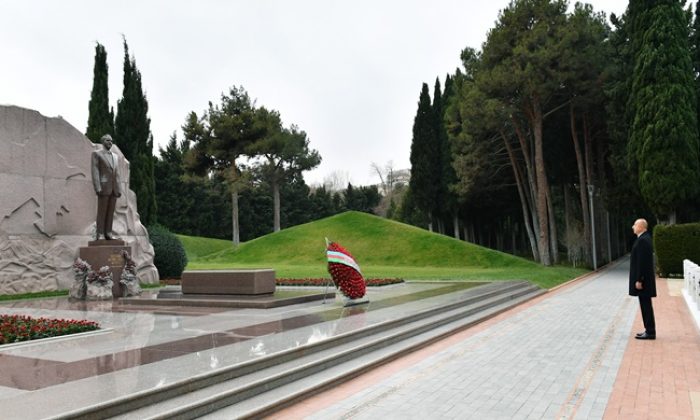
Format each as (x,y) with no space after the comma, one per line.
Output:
(323,282)
(14,328)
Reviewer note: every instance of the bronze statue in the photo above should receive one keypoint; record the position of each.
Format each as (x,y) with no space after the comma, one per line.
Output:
(106,180)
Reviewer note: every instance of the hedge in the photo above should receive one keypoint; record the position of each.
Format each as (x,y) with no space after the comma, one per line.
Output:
(675,243)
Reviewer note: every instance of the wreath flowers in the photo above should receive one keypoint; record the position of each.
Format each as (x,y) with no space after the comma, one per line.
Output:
(345,272)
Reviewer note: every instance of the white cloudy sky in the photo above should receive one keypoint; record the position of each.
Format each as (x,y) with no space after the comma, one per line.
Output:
(347,72)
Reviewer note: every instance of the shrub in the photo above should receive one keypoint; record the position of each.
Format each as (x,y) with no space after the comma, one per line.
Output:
(170,258)
(675,243)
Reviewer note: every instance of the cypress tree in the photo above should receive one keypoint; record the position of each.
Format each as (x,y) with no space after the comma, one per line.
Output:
(424,157)
(132,134)
(100,118)
(449,177)
(445,174)
(440,144)
(664,133)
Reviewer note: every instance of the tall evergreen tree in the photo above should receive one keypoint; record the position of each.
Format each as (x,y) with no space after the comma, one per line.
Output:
(623,190)
(173,203)
(285,153)
(440,145)
(132,132)
(695,53)
(424,158)
(449,176)
(663,147)
(520,66)
(100,118)
(224,134)
(448,201)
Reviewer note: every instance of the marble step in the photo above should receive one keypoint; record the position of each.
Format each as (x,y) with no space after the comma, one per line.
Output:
(282,381)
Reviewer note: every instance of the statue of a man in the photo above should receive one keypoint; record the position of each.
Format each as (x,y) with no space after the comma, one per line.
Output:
(106,180)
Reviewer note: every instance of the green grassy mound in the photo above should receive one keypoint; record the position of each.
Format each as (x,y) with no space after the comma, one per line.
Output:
(382,248)
(197,247)
(372,240)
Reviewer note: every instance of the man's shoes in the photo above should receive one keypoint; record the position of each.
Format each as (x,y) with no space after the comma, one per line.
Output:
(645,336)
(640,334)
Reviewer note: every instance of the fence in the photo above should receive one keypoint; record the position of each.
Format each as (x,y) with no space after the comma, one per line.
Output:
(691,274)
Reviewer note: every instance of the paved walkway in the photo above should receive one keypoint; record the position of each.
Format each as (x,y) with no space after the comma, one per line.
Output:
(661,379)
(568,354)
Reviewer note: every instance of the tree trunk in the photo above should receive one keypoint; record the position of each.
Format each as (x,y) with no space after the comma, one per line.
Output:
(600,169)
(500,240)
(567,221)
(531,192)
(276,206)
(525,148)
(234,217)
(455,223)
(583,186)
(553,237)
(523,199)
(236,236)
(542,184)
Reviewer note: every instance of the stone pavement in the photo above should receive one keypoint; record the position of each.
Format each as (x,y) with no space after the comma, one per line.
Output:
(661,379)
(558,356)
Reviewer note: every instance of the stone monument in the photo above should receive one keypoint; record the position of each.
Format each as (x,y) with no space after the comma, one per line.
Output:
(48,205)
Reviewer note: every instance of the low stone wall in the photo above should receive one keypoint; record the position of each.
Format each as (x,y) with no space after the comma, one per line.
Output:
(691,275)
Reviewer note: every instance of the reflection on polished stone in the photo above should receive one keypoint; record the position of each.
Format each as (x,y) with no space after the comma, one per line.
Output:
(179,340)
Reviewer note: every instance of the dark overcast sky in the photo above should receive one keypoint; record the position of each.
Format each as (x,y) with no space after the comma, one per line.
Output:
(347,72)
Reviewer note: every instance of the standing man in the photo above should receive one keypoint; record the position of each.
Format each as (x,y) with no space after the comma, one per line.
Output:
(643,277)
(106,180)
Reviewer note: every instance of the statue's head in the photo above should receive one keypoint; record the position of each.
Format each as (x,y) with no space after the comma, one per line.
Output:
(107,141)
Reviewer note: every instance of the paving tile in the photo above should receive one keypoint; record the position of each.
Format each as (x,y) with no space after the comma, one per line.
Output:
(531,361)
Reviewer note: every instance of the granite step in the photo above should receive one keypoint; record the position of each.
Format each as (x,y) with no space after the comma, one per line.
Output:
(267,385)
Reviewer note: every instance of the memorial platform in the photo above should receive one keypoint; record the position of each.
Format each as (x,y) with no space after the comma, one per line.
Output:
(177,361)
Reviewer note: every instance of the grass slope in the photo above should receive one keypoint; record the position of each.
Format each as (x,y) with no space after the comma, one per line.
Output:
(197,247)
(383,248)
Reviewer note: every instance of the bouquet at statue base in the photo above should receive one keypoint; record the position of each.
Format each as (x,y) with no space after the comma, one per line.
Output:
(78,288)
(99,285)
(129,281)
(346,274)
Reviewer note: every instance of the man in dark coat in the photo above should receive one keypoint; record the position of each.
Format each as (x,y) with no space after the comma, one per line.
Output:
(106,180)
(642,282)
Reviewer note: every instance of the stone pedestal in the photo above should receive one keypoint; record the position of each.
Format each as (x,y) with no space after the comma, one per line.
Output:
(107,252)
(228,282)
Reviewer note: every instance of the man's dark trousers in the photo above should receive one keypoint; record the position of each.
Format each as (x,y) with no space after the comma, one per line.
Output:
(647,314)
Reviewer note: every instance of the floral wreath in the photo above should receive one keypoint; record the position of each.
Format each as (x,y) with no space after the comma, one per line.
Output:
(345,272)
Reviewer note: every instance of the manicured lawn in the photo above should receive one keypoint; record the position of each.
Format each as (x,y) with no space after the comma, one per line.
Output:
(34,295)
(197,247)
(382,247)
